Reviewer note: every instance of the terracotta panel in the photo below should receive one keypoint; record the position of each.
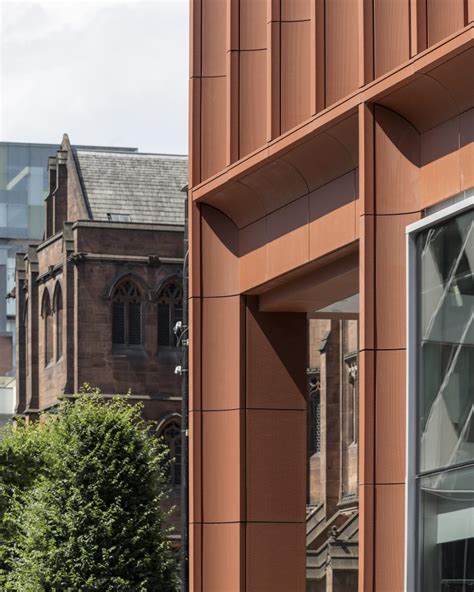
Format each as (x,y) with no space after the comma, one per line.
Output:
(342,49)
(222,568)
(194,353)
(221,353)
(195,40)
(253,100)
(295,10)
(320,160)
(295,73)
(441,162)
(366,416)
(219,248)
(346,132)
(233,25)
(278,183)
(332,206)
(367,282)
(273,79)
(240,203)
(276,558)
(389,537)
(444,18)
(452,78)
(397,159)
(213,121)
(194,225)
(366,41)
(195,557)
(214,15)
(222,485)
(366,538)
(194,140)
(366,139)
(253,254)
(467,149)
(276,465)
(253,24)
(391,416)
(195,468)
(232,107)
(391,35)
(275,359)
(318,49)
(390,280)
(410,101)
(288,237)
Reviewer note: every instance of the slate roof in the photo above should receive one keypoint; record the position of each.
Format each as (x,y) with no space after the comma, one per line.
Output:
(140,187)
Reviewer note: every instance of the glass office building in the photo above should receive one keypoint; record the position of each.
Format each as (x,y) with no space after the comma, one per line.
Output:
(23,188)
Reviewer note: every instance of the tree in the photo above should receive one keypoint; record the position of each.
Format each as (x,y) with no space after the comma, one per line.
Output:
(93,519)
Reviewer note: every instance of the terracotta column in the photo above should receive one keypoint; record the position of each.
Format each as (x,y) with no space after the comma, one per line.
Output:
(389,197)
(247,431)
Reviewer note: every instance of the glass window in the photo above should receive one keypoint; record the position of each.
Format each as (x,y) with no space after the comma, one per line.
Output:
(47,314)
(58,310)
(445,403)
(170,311)
(127,315)
(447,343)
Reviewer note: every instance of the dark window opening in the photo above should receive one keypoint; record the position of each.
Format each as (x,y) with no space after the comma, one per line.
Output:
(127,315)
(58,308)
(47,315)
(315,411)
(170,311)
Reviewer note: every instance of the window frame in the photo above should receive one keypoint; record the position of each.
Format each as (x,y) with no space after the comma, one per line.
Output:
(121,348)
(48,327)
(174,281)
(59,322)
(462,204)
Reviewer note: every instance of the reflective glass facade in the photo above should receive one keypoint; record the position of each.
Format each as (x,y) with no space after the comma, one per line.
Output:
(23,187)
(445,459)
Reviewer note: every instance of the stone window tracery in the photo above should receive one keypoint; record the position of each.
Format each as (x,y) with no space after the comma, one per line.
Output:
(58,310)
(47,314)
(127,305)
(315,411)
(352,399)
(170,311)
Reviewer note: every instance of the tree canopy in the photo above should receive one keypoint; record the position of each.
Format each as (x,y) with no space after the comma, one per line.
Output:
(81,501)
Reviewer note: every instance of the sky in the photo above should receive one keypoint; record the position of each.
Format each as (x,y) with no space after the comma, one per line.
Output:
(113,72)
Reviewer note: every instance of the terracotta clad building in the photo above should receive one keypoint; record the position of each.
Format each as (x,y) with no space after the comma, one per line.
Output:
(98,298)
(331,176)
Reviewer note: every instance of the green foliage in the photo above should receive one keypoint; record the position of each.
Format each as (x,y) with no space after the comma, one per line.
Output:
(90,516)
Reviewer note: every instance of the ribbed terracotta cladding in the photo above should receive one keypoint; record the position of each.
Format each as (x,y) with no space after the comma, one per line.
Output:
(318,131)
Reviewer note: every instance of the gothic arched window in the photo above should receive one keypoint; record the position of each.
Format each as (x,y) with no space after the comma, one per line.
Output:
(25,324)
(171,434)
(127,327)
(170,311)
(315,414)
(47,314)
(58,310)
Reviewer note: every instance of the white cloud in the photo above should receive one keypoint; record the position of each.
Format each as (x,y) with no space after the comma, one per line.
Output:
(108,73)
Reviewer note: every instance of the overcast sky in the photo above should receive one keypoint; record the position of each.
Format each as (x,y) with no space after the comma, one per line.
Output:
(112,72)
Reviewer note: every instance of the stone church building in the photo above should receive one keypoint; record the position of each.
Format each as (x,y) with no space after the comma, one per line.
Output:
(332,524)
(98,298)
